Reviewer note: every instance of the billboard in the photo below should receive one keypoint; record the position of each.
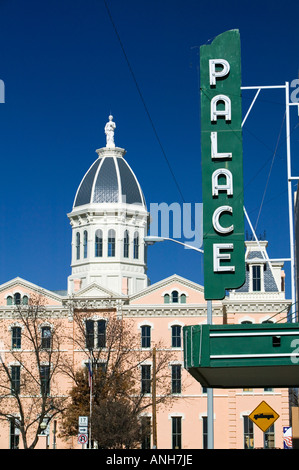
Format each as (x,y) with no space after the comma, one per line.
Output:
(222,165)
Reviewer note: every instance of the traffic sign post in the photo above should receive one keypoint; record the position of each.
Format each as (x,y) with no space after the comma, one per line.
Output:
(83,430)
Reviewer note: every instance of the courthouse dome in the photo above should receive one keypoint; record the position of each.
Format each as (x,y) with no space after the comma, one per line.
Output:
(110,179)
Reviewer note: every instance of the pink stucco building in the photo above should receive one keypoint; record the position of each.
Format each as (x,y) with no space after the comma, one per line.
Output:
(109,221)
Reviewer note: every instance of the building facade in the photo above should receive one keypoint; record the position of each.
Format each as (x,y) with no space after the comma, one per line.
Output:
(109,222)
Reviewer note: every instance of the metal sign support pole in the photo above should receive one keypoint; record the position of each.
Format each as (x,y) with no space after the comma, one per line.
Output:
(210,398)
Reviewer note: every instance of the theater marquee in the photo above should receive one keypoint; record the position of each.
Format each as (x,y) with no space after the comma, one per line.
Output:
(222,165)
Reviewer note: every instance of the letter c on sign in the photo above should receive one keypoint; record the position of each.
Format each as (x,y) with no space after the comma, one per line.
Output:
(216,216)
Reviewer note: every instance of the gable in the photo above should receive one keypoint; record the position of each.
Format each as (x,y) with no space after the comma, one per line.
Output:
(24,288)
(154,294)
(94,290)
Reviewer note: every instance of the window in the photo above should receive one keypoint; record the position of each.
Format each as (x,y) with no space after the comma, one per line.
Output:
(17,298)
(15,379)
(269,438)
(111,243)
(77,245)
(176,432)
(14,434)
(176,336)
(89,337)
(183,298)
(145,432)
(248,433)
(146,379)
(136,245)
(175,298)
(95,334)
(45,379)
(85,244)
(16,335)
(256,278)
(98,243)
(126,244)
(46,337)
(101,339)
(176,375)
(146,336)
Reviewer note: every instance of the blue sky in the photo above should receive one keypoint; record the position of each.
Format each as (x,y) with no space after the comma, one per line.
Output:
(65,72)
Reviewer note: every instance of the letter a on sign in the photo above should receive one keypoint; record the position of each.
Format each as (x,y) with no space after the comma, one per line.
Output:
(222,165)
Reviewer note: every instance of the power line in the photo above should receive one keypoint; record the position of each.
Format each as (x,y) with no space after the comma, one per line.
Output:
(143,101)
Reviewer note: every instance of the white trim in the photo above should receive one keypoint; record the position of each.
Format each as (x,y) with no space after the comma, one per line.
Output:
(175,323)
(241,356)
(269,333)
(145,323)
(176,414)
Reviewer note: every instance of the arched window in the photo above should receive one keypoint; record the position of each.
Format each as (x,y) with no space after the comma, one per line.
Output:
(78,245)
(136,245)
(99,244)
(175,296)
(111,243)
(25,300)
(85,244)
(126,244)
(17,298)
(9,300)
(166,298)
(183,298)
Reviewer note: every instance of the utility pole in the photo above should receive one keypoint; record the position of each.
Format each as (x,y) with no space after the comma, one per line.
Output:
(154,404)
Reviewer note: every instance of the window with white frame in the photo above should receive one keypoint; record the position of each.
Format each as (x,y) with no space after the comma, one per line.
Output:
(16,337)
(95,334)
(145,336)
(256,277)
(176,340)
(176,378)
(176,432)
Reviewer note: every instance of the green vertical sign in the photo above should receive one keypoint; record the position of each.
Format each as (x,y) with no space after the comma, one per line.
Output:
(222,165)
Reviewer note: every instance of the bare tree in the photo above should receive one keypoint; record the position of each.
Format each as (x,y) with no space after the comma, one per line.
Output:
(119,389)
(29,392)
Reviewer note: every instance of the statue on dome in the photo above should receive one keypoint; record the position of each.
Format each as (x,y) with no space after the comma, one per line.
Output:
(109,131)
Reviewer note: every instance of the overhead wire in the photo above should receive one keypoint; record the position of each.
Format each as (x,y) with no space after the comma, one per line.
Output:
(269,174)
(143,102)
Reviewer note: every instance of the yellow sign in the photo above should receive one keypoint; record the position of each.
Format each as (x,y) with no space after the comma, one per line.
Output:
(263,416)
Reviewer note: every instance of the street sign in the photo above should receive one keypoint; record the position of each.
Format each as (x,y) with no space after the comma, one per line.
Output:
(82,438)
(83,421)
(263,416)
(83,430)
(222,165)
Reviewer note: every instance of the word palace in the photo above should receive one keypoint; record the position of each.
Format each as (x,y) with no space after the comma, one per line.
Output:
(222,166)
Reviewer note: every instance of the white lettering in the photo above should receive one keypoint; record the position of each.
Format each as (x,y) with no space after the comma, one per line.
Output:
(228,187)
(216,223)
(214,148)
(218,256)
(214,74)
(294,97)
(226,112)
